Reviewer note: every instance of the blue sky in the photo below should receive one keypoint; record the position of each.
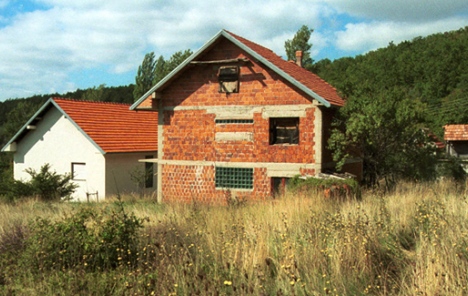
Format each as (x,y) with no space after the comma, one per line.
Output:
(52,46)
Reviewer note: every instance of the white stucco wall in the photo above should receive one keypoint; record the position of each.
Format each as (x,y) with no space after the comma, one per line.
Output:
(119,170)
(58,142)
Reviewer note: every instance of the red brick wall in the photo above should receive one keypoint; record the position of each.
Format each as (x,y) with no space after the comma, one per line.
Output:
(196,184)
(189,135)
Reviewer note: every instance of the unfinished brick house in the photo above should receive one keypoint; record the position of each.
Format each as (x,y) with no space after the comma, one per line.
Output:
(237,120)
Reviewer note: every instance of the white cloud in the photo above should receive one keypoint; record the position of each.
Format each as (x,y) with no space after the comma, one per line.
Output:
(45,46)
(362,37)
(42,49)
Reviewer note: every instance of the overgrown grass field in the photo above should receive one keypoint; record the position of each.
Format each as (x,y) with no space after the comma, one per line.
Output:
(411,242)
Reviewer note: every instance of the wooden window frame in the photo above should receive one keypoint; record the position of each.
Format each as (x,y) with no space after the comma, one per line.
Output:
(284,131)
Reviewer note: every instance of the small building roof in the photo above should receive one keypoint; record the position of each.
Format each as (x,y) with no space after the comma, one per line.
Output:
(456,132)
(111,127)
(306,81)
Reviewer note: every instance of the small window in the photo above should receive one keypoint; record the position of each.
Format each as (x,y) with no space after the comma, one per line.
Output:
(284,131)
(228,77)
(149,173)
(235,178)
(234,121)
(78,171)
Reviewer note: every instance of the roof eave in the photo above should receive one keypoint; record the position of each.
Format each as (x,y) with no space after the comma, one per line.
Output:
(24,127)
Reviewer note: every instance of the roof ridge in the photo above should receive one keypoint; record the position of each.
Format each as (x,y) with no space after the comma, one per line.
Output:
(91,102)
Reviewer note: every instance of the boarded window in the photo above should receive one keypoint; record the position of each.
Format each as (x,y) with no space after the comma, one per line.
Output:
(284,131)
(149,173)
(78,171)
(235,178)
(228,77)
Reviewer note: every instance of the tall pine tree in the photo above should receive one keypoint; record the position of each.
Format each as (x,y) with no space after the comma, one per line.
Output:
(145,76)
(300,42)
(152,71)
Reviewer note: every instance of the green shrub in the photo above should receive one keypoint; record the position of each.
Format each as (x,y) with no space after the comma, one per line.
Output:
(46,184)
(451,168)
(342,187)
(87,239)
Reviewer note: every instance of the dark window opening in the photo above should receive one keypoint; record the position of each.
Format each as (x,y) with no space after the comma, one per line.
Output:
(228,77)
(235,178)
(284,131)
(149,173)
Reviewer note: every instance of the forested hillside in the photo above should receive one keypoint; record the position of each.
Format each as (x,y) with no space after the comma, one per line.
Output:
(398,98)
(432,70)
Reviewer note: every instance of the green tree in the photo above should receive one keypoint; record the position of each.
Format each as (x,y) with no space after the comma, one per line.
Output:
(145,76)
(176,59)
(300,42)
(163,67)
(46,184)
(159,70)
(94,94)
(385,129)
(152,71)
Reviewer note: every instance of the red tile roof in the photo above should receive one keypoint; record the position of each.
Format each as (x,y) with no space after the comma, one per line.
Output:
(305,77)
(456,132)
(112,126)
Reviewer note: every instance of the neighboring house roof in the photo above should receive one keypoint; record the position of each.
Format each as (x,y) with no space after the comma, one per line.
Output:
(111,127)
(456,132)
(306,81)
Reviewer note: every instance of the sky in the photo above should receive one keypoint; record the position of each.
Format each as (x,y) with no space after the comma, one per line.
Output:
(49,46)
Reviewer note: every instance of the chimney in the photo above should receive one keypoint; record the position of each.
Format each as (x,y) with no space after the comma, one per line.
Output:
(299,58)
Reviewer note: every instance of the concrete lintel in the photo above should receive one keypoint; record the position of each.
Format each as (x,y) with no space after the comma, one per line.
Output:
(270,166)
(233,136)
(246,112)
(285,111)
(152,160)
(284,174)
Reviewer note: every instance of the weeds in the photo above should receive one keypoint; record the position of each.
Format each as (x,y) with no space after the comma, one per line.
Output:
(413,243)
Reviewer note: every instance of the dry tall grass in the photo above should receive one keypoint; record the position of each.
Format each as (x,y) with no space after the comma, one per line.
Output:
(411,242)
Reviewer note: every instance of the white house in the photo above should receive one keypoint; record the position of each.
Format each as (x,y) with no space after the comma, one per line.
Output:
(98,143)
